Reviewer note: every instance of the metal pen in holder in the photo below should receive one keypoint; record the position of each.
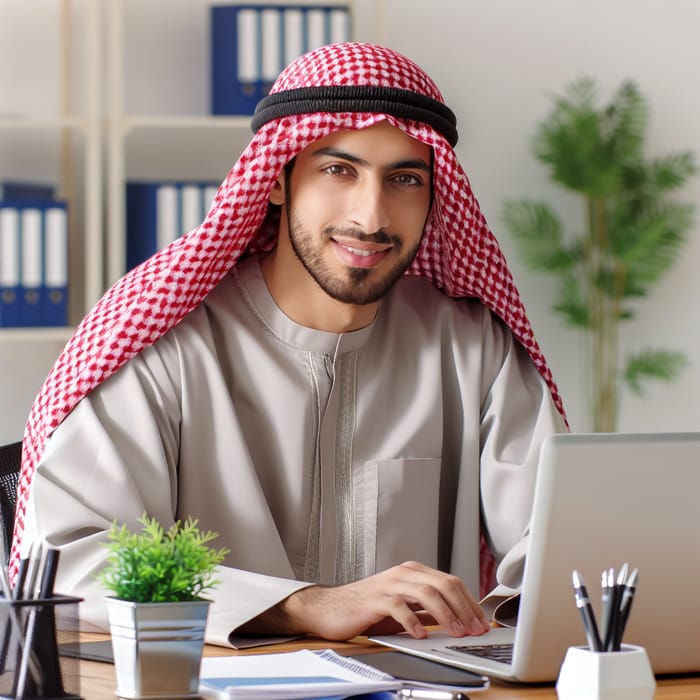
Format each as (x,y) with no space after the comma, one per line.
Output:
(31,619)
(30,665)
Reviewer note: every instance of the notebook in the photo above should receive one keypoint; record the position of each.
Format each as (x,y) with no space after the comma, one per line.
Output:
(600,500)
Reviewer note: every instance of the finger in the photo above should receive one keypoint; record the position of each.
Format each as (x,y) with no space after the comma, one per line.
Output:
(457,594)
(425,617)
(446,598)
(400,611)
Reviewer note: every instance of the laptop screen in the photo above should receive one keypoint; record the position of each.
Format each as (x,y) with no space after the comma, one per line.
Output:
(602,500)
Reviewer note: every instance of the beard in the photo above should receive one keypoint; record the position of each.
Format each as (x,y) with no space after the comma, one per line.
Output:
(357,285)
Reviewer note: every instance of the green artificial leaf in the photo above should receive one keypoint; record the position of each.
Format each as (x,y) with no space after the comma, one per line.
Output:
(659,176)
(538,230)
(624,122)
(652,364)
(155,565)
(587,146)
(657,243)
(571,303)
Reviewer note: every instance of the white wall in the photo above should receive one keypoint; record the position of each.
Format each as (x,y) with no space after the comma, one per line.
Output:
(497,62)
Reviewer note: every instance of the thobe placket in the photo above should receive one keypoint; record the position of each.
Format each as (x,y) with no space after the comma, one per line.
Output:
(336,522)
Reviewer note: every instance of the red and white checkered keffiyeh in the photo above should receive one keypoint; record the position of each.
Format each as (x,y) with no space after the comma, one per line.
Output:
(458,253)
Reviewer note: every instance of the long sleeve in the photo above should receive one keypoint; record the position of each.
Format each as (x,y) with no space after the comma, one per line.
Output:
(518,415)
(113,458)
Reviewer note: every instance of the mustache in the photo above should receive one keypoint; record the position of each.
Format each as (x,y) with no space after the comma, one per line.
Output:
(381,237)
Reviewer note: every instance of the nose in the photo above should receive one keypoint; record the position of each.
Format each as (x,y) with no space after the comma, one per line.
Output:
(369,209)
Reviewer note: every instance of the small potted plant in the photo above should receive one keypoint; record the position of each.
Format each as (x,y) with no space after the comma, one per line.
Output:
(157,612)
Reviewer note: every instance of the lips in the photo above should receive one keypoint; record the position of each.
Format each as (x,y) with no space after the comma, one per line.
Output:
(361,257)
(357,251)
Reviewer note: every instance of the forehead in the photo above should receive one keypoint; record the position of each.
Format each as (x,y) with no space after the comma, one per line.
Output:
(380,143)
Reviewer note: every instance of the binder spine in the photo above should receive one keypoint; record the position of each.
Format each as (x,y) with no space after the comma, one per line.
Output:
(251,43)
(55,289)
(157,213)
(31,265)
(9,265)
(168,214)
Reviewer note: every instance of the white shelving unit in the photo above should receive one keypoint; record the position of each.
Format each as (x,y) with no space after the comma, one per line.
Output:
(181,143)
(85,230)
(61,143)
(189,145)
(132,102)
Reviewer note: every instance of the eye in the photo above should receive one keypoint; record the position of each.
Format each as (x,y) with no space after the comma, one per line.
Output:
(408,180)
(336,169)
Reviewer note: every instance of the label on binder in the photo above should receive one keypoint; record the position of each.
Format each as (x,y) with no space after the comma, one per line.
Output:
(31,267)
(55,292)
(9,266)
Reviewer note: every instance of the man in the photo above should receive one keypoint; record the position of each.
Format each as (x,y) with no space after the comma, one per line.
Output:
(347,428)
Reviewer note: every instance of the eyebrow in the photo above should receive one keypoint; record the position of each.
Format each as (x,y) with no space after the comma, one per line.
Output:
(410,163)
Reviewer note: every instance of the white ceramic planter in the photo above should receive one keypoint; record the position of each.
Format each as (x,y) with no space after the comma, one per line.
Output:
(613,675)
(157,647)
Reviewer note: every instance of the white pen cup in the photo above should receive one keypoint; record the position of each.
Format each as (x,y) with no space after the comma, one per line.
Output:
(606,675)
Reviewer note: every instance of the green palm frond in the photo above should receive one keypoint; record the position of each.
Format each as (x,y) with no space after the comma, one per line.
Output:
(539,232)
(654,244)
(624,123)
(652,364)
(571,303)
(658,176)
(586,146)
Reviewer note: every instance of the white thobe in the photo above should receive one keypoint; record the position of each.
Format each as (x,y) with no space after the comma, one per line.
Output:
(318,457)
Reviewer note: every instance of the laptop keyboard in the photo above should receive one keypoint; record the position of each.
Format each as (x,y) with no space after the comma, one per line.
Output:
(496,652)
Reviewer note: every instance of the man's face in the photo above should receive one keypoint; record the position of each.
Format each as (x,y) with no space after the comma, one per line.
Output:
(356,208)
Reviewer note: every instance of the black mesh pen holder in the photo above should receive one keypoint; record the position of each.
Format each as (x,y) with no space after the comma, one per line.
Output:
(30,631)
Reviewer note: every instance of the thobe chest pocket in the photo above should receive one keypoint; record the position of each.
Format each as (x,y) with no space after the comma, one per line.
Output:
(400,500)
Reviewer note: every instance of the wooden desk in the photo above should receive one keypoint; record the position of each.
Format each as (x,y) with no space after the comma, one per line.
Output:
(97,679)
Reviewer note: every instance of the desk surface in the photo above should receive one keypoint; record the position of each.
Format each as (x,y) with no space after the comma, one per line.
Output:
(97,679)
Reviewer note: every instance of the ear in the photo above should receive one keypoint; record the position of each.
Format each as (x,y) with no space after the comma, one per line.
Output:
(277,192)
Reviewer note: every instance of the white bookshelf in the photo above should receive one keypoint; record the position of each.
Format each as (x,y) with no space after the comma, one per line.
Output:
(107,91)
(74,129)
(153,131)
(50,131)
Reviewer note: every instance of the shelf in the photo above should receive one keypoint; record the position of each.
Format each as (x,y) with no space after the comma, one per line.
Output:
(185,122)
(35,333)
(37,122)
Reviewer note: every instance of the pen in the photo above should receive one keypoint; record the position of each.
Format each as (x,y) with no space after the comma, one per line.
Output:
(583,603)
(607,584)
(48,574)
(18,590)
(626,603)
(16,595)
(608,608)
(612,643)
(432,694)
(33,567)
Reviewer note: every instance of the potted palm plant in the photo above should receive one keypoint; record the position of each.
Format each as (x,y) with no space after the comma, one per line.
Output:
(631,233)
(157,612)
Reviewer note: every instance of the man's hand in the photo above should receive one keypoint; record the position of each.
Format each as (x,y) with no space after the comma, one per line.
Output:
(401,598)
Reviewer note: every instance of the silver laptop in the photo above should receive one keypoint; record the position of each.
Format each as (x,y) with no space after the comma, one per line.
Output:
(600,500)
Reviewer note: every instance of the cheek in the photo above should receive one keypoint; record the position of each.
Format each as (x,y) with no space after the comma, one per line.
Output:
(410,218)
(319,206)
